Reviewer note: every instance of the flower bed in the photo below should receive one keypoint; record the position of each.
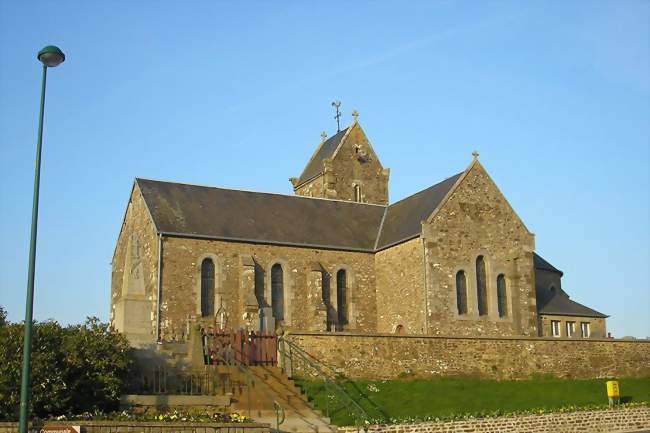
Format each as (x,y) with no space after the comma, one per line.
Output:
(169,416)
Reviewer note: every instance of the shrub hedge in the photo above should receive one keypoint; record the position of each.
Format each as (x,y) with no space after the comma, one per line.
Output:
(74,369)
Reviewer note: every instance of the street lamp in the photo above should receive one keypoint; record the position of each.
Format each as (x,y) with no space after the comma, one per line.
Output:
(50,56)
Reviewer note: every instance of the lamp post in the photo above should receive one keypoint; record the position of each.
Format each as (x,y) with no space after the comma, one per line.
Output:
(51,57)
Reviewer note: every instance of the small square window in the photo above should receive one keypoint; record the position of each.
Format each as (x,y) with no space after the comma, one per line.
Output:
(555,328)
(584,329)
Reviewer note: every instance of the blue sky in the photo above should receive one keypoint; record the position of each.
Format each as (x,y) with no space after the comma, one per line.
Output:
(554,95)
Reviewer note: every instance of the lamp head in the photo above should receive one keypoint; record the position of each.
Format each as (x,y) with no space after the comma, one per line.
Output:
(51,56)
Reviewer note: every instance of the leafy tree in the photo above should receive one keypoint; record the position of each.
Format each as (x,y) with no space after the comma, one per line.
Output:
(73,369)
(98,362)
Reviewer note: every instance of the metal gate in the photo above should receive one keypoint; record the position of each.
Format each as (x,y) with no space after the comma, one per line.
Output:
(222,347)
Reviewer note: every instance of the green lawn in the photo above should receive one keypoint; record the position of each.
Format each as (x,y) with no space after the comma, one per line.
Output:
(404,399)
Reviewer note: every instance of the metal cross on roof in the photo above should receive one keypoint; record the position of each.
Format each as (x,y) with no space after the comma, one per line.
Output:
(337,104)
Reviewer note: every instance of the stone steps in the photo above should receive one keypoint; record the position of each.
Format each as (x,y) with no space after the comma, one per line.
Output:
(269,385)
(272,385)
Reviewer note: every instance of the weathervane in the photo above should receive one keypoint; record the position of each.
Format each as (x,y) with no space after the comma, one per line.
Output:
(337,104)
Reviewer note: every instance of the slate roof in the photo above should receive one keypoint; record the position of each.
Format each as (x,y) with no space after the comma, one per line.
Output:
(218,213)
(561,304)
(404,218)
(540,263)
(558,302)
(326,150)
(199,211)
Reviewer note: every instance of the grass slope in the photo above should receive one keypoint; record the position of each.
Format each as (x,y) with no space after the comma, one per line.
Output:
(420,398)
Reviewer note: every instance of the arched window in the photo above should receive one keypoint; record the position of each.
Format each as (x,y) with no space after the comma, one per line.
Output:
(399,330)
(277,291)
(341,301)
(207,288)
(502,300)
(259,274)
(481,287)
(461,292)
(357,193)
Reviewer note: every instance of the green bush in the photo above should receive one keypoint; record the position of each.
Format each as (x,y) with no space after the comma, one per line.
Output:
(74,369)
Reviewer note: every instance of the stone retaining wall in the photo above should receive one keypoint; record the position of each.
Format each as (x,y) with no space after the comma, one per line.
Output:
(605,421)
(149,427)
(388,356)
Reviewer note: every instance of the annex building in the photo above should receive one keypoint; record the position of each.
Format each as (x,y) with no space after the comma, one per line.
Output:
(453,259)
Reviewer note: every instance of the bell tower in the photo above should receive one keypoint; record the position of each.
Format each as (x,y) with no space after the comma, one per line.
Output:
(344,167)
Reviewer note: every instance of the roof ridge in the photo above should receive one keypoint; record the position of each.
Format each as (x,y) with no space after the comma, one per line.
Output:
(424,189)
(261,192)
(381,226)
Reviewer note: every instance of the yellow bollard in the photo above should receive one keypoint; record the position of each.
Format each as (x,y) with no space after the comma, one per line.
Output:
(613,392)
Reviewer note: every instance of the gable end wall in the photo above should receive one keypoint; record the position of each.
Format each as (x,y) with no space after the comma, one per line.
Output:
(133,306)
(346,170)
(477,220)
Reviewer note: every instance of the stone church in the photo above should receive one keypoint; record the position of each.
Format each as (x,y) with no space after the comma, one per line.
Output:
(453,259)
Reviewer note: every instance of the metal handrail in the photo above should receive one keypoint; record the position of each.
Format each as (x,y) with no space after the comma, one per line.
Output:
(327,379)
(318,364)
(250,379)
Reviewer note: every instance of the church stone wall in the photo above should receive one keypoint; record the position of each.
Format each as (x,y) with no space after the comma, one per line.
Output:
(400,288)
(241,267)
(388,356)
(134,277)
(615,419)
(476,220)
(313,188)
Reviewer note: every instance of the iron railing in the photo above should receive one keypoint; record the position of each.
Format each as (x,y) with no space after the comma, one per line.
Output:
(163,380)
(339,400)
